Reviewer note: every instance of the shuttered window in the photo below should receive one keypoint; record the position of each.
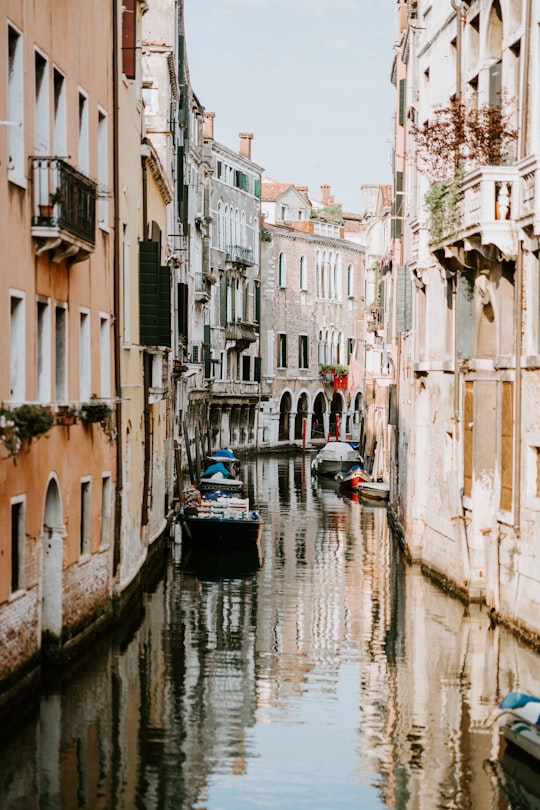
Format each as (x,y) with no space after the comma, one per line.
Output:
(207,353)
(183,324)
(464,315)
(129,28)
(507,446)
(223,301)
(402,99)
(404,299)
(154,297)
(468,425)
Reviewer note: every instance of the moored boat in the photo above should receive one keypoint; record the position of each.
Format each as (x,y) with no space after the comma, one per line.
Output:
(373,490)
(521,725)
(352,477)
(221,473)
(335,457)
(221,521)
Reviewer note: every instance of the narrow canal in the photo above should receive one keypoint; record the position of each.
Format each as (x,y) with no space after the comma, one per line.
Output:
(327,674)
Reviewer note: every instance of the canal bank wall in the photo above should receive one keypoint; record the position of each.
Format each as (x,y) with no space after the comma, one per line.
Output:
(48,665)
(449,581)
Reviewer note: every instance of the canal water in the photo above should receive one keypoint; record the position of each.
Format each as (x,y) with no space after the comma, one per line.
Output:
(322,672)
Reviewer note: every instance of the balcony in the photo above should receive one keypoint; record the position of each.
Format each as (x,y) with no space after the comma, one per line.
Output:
(64,218)
(241,255)
(242,333)
(480,215)
(529,170)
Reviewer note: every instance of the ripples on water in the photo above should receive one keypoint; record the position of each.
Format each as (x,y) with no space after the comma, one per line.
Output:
(320,672)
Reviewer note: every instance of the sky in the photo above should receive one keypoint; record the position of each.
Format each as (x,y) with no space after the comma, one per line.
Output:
(309,78)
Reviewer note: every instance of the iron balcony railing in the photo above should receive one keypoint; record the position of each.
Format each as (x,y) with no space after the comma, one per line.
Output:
(241,255)
(64,198)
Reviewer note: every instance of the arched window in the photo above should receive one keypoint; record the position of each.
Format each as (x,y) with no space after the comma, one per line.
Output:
(282,270)
(220,238)
(302,274)
(244,241)
(350,281)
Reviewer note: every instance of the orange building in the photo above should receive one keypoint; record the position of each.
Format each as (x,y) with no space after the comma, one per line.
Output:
(56,352)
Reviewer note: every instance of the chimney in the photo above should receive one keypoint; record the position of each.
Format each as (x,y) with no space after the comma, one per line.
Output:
(302,189)
(208,125)
(245,144)
(326,197)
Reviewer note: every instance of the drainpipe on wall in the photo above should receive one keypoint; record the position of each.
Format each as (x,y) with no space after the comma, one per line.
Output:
(518,295)
(117,336)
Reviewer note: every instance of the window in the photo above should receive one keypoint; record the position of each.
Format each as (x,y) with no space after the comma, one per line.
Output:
(60,354)
(282,350)
(43,351)
(246,367)
(303,357)
(84,356)
(303,274)
(507,445)
(41,110)
(15,108)
(106,490)
(86,505)
(60,125)
(126,303)
(84,151)
(104,357)
(128,38)
(282,275)
(103,169)
(18,535)
(17,349)
(350,281)
(468,424)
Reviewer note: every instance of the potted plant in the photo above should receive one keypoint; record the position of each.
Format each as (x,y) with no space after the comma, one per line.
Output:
(46,211)
(22,425)
(66,416)
(96,410)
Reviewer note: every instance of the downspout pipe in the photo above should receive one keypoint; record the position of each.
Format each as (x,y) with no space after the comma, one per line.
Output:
(117,321)
(523,144)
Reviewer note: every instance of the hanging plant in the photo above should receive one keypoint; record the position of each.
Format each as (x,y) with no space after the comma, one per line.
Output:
(94,411)
(20,426)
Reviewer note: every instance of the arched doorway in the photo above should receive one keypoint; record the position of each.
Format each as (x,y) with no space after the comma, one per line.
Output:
(317,423)
(301,414)
(285,407)
(51,567)
(337,407)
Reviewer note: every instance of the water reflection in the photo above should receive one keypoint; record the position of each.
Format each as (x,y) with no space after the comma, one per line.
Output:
(321,672)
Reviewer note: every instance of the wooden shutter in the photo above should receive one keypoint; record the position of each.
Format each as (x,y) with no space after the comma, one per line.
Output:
(402,90)
(257,369)
(207,351)
(129,31)
(507,446)
(223,301)
(464,315)
(468,426)
(183,330)
(257,304)
(154,297)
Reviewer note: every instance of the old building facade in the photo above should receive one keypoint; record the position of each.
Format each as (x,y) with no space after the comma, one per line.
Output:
(57,290)
(311,291)
(467,445)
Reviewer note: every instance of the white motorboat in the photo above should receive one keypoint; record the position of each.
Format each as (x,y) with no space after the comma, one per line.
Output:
(335,457)
(521,725)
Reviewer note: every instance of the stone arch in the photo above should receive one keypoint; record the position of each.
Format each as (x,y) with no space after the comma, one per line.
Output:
(337,409)
(52,542)
(317,421)
(302,410)
(285,408)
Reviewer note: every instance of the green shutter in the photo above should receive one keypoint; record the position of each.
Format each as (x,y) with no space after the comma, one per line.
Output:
(206,351)
(403,299)
(257,187)
(154,297)
(149,293)
(183,330)
(257,304)
(164,306)
(402,90)
(223,301)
